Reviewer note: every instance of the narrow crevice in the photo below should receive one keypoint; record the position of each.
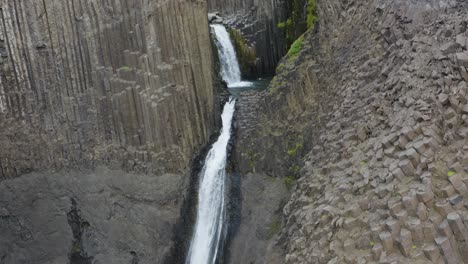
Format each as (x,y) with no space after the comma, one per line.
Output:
(77,254)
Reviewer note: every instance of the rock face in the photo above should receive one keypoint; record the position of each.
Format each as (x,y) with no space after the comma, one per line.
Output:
(89,81)
(257,21)
(378,105)
(89,91)
(260,219)
(100,216)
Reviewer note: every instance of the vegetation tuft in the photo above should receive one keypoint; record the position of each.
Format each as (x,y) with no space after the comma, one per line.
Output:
(301,15)
(289,182)
(245,53)
(296,47)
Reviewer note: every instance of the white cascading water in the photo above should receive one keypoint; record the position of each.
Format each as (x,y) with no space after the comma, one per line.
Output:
(211,206)
(230,70)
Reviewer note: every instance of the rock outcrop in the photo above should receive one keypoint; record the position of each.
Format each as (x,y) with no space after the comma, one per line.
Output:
(103,105)
(377,96)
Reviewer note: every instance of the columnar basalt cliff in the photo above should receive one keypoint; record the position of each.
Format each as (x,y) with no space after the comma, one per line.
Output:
(88,81)
(373,106)
(356,153)
(103,105)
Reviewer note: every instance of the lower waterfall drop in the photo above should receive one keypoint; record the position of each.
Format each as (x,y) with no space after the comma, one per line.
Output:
(211,213)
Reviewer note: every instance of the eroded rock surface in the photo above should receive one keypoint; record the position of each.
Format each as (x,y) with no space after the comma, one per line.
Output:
(101,216)
(378,95)
(262,200)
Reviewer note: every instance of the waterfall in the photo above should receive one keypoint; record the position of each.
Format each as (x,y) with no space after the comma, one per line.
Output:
(211,213)
(230,70)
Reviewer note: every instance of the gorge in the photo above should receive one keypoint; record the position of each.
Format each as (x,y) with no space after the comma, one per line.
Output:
(120,140)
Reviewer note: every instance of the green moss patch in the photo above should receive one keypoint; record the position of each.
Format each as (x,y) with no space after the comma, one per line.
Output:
(294,151)
(245,54)
(311,13)
(296,47)
(289,182)
(300,16)
(252,159)
(275,228)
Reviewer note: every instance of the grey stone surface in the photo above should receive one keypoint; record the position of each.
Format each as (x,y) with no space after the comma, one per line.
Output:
(449,254)
(409,95)
(449,47)
(129,83)
(121,216)
(260,220)
(462,59)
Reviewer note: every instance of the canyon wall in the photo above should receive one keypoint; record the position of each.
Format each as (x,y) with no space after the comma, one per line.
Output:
(257,21)
(103,105)
(368,123)
(90,81)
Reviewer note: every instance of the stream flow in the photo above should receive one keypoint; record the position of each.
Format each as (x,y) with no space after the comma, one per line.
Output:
(230,70)
(211,213)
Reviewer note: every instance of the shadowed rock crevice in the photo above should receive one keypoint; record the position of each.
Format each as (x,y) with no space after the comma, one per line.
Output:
(78,227)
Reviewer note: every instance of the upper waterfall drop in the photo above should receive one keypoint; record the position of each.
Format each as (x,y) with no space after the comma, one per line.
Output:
(230,70)
(209,227)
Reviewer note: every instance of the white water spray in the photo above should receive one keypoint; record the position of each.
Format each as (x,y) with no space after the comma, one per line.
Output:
(230,70)
(211,206)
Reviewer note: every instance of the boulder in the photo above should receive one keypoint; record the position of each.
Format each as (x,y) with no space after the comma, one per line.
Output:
(448,252)
(461,40)
(432,253)
(462,59)
(450,47)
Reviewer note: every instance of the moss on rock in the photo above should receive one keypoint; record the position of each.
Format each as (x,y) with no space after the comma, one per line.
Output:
(296,47)
(311,13)
(301,15)
(245,54)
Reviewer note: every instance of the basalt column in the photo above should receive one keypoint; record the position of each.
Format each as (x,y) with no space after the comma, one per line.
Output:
(103,105)
(85,80)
